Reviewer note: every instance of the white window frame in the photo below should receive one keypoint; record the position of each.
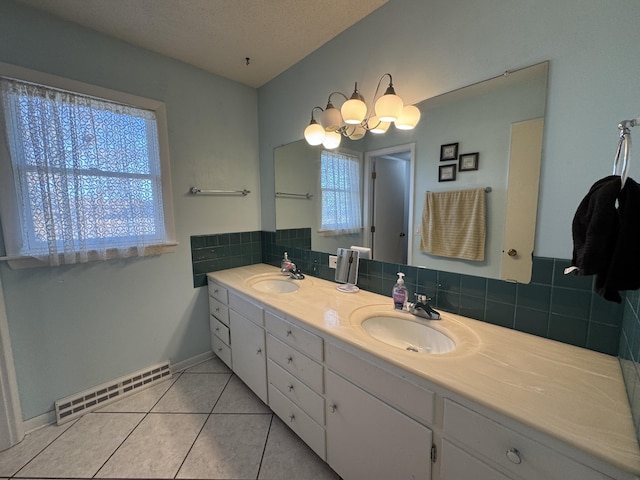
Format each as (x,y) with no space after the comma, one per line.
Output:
(8,208)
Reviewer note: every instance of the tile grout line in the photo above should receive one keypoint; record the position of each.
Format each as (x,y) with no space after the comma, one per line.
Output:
(203,425)
(42,450)
(264,449)
(134,428)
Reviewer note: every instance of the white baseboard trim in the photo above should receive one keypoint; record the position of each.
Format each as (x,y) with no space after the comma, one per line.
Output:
(36,423)
(190,362)
(49,418)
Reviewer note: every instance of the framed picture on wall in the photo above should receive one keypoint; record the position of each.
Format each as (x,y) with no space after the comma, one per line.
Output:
(447,173)
(469,161)
(448,152)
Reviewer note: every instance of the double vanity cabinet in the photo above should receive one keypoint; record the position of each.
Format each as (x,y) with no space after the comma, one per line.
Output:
(373,413)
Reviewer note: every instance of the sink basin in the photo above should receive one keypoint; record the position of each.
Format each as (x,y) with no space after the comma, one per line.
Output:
(408,335)
(275,285)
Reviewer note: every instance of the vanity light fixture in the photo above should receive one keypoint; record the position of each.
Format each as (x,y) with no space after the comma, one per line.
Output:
(354,118)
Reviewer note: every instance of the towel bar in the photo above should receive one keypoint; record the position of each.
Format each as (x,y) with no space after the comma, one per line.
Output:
(196,191)
(300,195)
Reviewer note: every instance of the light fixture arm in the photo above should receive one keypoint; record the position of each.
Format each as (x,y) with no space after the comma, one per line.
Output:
(335,93)
(389,90)
(313,120)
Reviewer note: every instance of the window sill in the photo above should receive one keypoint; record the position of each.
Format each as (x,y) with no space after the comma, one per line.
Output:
(16,263)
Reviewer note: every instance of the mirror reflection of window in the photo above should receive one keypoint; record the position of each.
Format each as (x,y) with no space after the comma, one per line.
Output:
(340,189)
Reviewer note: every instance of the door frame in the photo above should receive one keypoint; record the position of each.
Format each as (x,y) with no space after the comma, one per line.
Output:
(367,207)
(11,424)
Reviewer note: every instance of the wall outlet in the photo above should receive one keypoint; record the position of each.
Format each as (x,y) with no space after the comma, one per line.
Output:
(333,261)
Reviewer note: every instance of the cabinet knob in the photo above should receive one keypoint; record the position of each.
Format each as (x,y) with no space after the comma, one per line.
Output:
(289,333)
(290,387)
(216,291)
(332,407)
(514,456)
(259,351)
(219,349)
(289,359)
(217,309)
(292,417)
(217,329)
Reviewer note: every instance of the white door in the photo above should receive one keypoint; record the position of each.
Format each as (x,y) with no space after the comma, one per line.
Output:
(11,430)
(390,202)
(522,200)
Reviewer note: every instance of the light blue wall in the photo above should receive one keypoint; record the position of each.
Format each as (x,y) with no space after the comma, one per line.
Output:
(431,47)
(76,327)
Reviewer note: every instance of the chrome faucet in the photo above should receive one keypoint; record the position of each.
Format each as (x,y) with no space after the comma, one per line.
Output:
(291,270)
(421,308)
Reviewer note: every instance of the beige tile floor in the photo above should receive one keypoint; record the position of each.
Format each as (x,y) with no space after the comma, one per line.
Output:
(204,423)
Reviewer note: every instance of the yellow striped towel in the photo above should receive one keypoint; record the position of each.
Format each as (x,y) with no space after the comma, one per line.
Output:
(454,224)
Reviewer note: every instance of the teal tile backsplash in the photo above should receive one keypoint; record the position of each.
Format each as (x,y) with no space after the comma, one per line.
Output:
(555,306)
(629,353)
(210,253)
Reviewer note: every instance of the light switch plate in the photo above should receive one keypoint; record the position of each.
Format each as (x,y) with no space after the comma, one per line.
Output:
(333,260)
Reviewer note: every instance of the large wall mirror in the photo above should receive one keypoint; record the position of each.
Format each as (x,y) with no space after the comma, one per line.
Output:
(500,119)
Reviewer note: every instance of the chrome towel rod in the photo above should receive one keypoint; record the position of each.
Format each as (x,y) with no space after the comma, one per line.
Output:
(486,189)
(301,195)
(197,191)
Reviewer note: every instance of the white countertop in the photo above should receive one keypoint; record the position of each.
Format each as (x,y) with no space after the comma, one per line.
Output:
(570,393)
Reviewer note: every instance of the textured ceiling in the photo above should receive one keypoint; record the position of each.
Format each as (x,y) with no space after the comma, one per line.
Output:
(217,35)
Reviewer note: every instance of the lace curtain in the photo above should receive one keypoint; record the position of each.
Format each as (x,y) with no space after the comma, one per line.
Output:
(84,179)
(341,198)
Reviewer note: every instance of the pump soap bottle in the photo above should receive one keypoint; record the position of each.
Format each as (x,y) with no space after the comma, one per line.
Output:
(400,293)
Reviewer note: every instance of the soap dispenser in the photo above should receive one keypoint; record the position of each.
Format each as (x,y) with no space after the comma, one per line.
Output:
(400,293)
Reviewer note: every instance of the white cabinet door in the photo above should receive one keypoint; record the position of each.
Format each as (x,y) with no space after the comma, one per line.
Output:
(248,354)
(369,440)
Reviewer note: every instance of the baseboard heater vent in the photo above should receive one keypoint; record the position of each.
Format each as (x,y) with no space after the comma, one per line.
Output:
(77,405)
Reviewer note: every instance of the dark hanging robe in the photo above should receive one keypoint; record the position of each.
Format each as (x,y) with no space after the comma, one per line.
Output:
(606,236)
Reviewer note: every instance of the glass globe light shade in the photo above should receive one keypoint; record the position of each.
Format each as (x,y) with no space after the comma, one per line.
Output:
(331,140)
(355,132)
(377,126)
(314,134)
(353,111)
(389,107)
(409,118)
(331,119)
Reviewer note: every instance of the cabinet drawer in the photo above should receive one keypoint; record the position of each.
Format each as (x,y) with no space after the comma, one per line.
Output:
(458,464)
(298,421)
(296,391)
(295,363)
(219,310)
(415,401)
(493,440)
(218,292)
(294,335)
(220,329)
(222,351)
(248,309)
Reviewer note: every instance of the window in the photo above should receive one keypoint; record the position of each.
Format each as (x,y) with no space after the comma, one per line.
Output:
(340,186)
(83,176)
